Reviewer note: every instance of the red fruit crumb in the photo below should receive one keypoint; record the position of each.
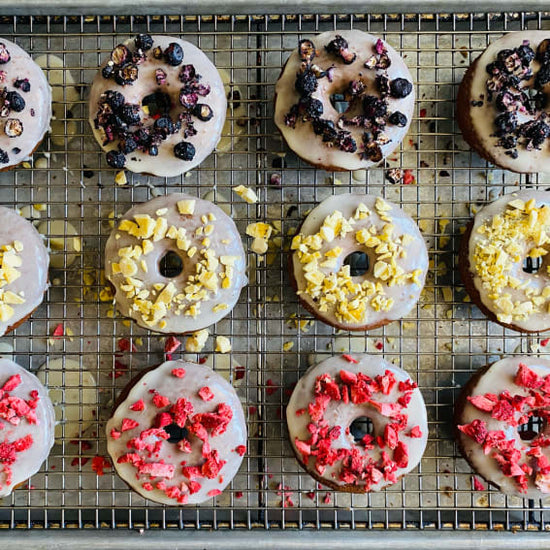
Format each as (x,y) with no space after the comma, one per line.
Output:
(12,383)
(310,495)
(327,498)
(138,405)
(84,445)
(408,177)
(239,494)
(415,432)
(214,492)
(239,373)
(171,344)
(178,373)
(544,342)
(115,434)
(379,345)
(202,360)
(477,430)
(128,424)
(58,331)
(240,450)
(270,390)
(478,486)
(252,410)
(423,113)
(206,394)
(485,402)
(76,461)
(99,463)
(349,358)
(160,401)
(401,455)
(126,345)
(527,378)
(147,486)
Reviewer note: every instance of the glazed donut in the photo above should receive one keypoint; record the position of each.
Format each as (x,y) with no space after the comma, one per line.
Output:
(496,419)
(26,425)
(503,260)
(323,411)
(502,102)
(344,100)
(177,264)
(157,106)
(178,435)
(25,105)
(24,264)
(359,262)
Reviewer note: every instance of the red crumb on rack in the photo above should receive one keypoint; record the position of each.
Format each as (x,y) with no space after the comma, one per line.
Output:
(239,494)
(202,360)
(100,463)
(310,495)
(544,342)
(58,331)
(422,113)
(349,358)
(478,486)
(270,390)
(379,345)
(124,344)
(408,177)
(240,450)
(327,499)
(84,445)
(171,344)
(79,461)
(252,410)
(239,373)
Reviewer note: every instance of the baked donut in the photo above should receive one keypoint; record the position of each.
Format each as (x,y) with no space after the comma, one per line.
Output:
(501,420)
(177,264)
(157,106)
(344,100)
(24,264)
(178,435)
(26,425)
(359,262)
(502,102)
(503,260)
(328,414)
(25,105)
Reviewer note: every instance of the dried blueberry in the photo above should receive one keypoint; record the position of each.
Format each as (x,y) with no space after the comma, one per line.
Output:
(16,102)
(4,56)
(398,119)
(128,144)
(202,89)
(114,99)
(203,112)
(306,83)
(188,100)
(526,54)
(347,143)
(383,84)
(306,50)
(187,73)
(144,42)
(165,124)
(23,84)
(116,159)
(130,113)
(4,159)
(400,87)
(543,55)
(374,107)
(13,127)
(535,132)
(153,151)
(184,150)
(142,137)
(339,46)
(120,55)
(372,152)
(173,54)
(313,107)
(108,70)
(127,74)
(543,75)
(508,142)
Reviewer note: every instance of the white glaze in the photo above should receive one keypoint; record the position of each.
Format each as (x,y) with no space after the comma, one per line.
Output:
(538,320)
(38,100)
(224,230)
(166,164)
(33,281)
(341,414)
(498,378)
(161,380)
(482,118)
(28,462)
(405,296)
(302,139)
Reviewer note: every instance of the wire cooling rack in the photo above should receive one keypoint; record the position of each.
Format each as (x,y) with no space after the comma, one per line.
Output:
(440,344)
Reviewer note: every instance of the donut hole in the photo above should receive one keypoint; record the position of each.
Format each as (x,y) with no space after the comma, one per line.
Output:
(361,427)
(358,263)
(339,102)
(157,103)
(532,265)
(532,428)
(176,433)
(170,265)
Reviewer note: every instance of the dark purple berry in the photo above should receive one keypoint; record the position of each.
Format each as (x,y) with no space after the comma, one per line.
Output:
(108,70)
(116,159)
(114,99)
(339,46)
(128,144)
(398,119)
(144,42)
(127,74)
(165,125)
(505,123)
(374,107)
(4,57)
(4,159)
(203,112)
(130,113)
(306,83)
(400,87)
(23,84)
(187,73)
(543,75)
(184,150)
(153,151)
(173,54)
(526,54)
(17,103)
(121,55)
(188,100)
(306,50)
(313,107)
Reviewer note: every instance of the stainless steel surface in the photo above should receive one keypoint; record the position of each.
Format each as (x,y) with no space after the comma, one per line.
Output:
(441,343)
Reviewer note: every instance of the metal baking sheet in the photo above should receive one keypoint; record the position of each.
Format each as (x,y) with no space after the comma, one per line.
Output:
(440,344)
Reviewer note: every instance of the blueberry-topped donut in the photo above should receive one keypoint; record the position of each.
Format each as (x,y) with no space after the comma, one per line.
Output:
(504,262)
(25,105)
(358,262)
(157,105)
(344,100)
(503,109)
(502,426)
(357,423)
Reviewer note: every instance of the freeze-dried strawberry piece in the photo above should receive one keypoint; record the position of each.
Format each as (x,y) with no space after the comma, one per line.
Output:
(406,385)
(19,406)
(178,373)
(12,383)
(387,409)
(239,373)
(326,386)
(401,455)
(172,492)
(171,344)
(348,377)
(478,486)
(129,458)
(115,434)
(415,432)
(391,436)
(181,410)
(477,430)
(184,445)
(58,331)
(128,424)
(303,448)
(386,382)
(99,464)
(157,469)
(160,401)
(206,394)
(214,493)
(126,345)
(23,444)
(240,450)
(405,399)
(147,486)
(163,419)
(349,358)
(7,453)
(139,405)
(504,411)
(316,409)
(194,486)
(526,378)
(212,466)
(494,440)
(484,402)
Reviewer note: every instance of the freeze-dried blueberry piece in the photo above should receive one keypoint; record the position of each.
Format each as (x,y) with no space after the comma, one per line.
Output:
(144,42)
(374,107)
(128,144)
(127,74)
(400,87)
(188,100)
(184,150)
(16,102)
(173,54)
(306,83)
(372,152)
(526,54)
(4,159)
(130,113)
(397,118)
(203,112)
(165,124)
(23,84)
(347,144)
(116,159)
(13,127)
(339,46)
(508,142)
(108,70)
(543,75)
(120,55)
(505,123)
(313,107)
(153,151)
(535,132)
(306,50)
(187,73)
(114,99)
(4,56)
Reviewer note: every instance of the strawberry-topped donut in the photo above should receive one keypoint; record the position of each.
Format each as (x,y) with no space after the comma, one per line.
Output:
(502,425)
(357,423)
(178,435)
(157,106)
(344,100)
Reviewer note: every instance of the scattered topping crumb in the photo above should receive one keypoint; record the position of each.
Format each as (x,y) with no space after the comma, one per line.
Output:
(246,194)
(223,345)
(196,342)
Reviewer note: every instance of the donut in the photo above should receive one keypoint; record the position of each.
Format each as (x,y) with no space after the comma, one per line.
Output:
(25,105)
(24,264)
(328,414)
(358,262)
(503,262)
(178,435)
(344,100)
(26,425)
(157,106)
(502,101)
(501,425)
(176,263)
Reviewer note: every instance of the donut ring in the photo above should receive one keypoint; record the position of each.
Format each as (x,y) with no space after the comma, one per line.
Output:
(178,435)
(340,390)
(503,260)
(384,236)
(494,425)
(372,100)
(157,106)
(203,244)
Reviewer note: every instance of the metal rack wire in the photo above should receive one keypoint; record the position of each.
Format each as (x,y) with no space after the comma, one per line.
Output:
(442,342)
